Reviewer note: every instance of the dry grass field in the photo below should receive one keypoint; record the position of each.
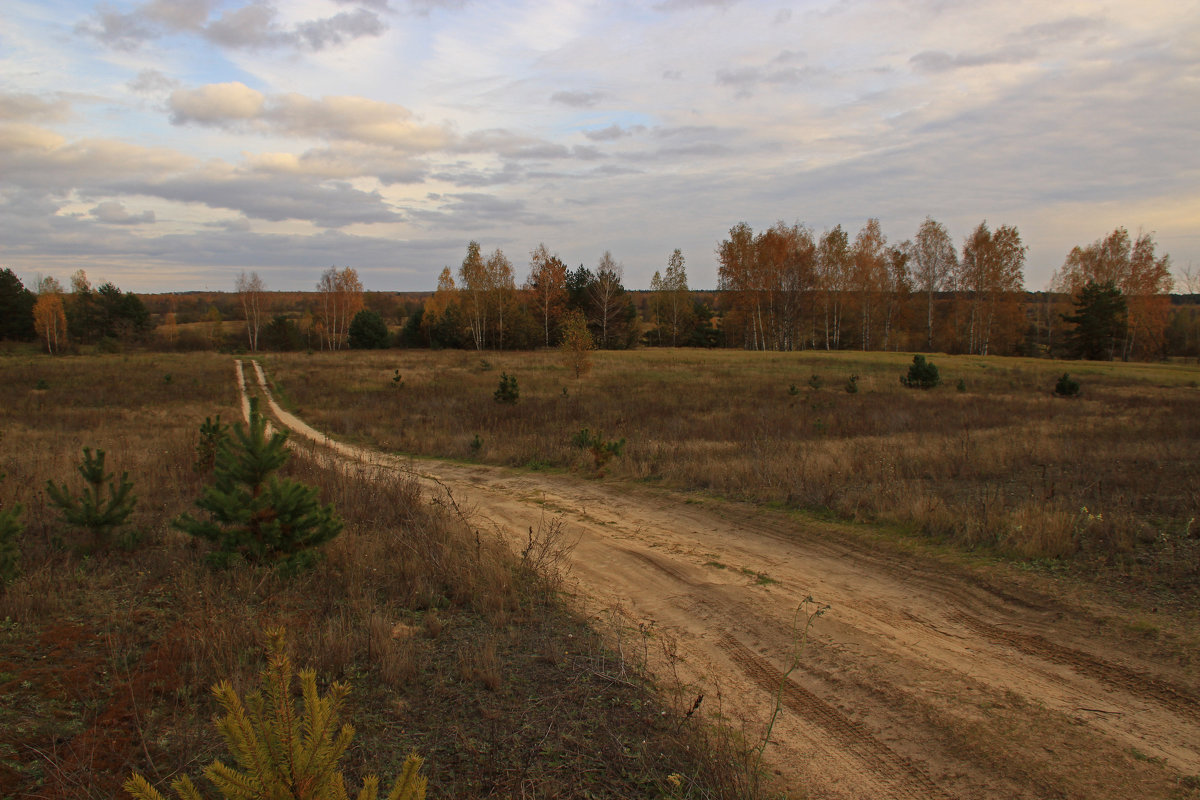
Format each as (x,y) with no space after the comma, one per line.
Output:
(453,646)
(1108,481)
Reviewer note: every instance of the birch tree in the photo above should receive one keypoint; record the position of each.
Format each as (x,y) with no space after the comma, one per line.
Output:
(547,284)
(252,294)
(934,262)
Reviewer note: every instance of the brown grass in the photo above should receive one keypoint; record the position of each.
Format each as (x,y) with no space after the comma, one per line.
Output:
(1111,478)
(106,656)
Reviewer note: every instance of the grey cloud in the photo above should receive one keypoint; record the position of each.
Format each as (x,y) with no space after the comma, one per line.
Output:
(332,204)
(477,209)
(612,132)
(672,75)
(113,212)
(688,5)
(586,152)
(151,81)
(745,79)
(577,99)
(473,178)
(1061,30)
(19,107)
(941,61)
(249,26)
(542,151)
(344,27)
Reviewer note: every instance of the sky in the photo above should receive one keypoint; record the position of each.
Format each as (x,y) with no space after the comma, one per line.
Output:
(169,145)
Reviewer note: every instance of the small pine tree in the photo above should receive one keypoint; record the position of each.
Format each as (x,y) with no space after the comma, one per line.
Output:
(281,753)
(921,374)
(10,552)
(88,510)
(213,434)
(254,514)
(507,392)
(1066,386)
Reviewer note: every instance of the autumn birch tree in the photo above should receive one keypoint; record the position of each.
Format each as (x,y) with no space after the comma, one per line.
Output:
(934,261)
(252,294)
(547,285)
(607,294)
(500,291)
(473,283)
(340,298)
(834,261)
(49,316)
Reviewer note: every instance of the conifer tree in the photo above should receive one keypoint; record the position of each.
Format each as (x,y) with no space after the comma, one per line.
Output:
(10,551)
(281,753)
(88,510)
(254,514)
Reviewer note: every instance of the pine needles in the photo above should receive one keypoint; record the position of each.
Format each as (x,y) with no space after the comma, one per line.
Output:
(281,752)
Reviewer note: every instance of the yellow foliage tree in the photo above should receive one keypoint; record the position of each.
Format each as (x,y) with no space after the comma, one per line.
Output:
(50,321)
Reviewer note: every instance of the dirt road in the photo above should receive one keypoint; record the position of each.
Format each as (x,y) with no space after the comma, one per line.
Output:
(921,680)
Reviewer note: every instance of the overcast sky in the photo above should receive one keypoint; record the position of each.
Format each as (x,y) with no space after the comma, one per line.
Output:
(170,144)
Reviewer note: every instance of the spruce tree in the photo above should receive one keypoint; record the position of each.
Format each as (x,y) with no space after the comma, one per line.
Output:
(254,514)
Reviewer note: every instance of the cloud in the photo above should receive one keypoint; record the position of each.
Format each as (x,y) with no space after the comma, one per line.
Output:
(357,119)
(113,212)
(577,99)
(251,26)
(941,61)
(19,107)
(612,132)
(151,81)
(216,104)
(746,79)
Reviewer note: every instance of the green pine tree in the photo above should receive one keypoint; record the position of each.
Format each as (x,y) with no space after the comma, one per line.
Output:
(88,510)
(254,514)
(281,753)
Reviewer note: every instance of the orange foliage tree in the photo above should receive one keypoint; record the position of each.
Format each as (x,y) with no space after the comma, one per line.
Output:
(1141,276)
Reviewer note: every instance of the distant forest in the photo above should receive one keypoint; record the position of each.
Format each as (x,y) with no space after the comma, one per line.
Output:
(782,288)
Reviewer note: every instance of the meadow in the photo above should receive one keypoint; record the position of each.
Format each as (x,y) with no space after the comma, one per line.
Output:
(990,461)
(454,647)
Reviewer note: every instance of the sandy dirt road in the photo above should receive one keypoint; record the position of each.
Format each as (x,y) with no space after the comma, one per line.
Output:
(920,681)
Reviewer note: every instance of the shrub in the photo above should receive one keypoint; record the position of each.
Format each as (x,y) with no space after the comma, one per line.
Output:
(815,382)
(280,752)
(255,515)
(602,450)
(961,385)
(921,374)
(507,391)
(852,384)
(1066,386)
(88,510)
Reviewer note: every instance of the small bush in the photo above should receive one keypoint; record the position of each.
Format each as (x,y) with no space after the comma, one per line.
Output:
(602,450)
(961,385)
(507,391)
(10,552)
(815,382)
(852,384)
(793,391)
(1066,386)
(213,434)
(921,374)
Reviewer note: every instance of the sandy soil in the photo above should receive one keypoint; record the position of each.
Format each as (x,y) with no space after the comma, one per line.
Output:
(921,680)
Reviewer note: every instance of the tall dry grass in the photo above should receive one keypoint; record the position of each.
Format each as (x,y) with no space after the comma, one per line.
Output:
(1006,465)
(106,656)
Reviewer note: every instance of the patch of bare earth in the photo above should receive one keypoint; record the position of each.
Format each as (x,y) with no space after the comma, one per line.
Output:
(920,681)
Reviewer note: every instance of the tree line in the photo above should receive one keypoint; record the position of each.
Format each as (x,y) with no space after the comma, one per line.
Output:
(781,288)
